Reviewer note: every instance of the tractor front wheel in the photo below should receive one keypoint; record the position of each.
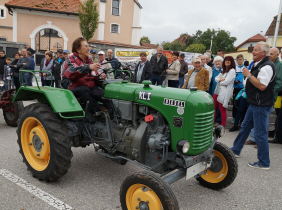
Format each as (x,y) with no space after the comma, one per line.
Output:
(145,190)
(43,142)
(223,169)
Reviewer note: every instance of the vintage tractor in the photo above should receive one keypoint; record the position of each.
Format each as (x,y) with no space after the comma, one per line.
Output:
(11,110)
(167,131)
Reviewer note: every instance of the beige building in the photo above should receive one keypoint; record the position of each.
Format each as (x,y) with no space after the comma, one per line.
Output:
(54,24)
(246,47)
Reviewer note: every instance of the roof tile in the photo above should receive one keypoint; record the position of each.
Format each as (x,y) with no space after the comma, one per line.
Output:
(70,6)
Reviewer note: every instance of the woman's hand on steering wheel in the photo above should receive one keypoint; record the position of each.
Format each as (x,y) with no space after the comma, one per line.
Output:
(94,66)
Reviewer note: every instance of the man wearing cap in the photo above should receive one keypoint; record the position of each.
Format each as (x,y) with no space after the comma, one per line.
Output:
(66,54)
(93,53)
(56,68)
(197,77)
(183,69)
(103,61)
(27,63)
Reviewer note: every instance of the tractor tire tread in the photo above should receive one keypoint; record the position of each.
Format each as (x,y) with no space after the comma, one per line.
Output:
(61,148)
(150,179)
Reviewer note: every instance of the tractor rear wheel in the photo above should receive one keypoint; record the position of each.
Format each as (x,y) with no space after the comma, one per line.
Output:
(12,113)
(223,170)
(145,190)
(44,144)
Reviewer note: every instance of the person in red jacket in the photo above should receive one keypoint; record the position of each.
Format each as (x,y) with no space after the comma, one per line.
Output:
(83,74)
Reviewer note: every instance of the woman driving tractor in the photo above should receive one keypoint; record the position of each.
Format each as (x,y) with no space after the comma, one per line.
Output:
(83,75)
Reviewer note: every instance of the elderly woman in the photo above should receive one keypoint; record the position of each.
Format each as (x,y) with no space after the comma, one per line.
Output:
(172,73)
(82,73)
(216,70)
(224,88)
(197,77)
(47,65)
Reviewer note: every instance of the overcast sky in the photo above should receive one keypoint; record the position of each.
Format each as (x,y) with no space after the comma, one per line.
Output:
(164,20)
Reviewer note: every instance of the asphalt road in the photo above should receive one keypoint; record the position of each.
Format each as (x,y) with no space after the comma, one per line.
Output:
(93,182)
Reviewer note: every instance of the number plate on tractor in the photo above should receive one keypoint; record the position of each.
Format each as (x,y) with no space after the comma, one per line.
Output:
(196,169)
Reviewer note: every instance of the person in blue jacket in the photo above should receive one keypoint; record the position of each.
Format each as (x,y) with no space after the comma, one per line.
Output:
(238,86)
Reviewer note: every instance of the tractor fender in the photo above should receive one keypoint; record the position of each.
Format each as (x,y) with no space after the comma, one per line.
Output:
(62,101)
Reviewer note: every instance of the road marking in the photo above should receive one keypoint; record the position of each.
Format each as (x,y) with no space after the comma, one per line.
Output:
(51,200)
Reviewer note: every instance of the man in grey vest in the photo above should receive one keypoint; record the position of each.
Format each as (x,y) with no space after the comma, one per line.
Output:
(260,96)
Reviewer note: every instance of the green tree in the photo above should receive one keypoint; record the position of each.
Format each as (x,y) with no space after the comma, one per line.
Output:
(222,40)
(196,48)
(145,39)
(88,17)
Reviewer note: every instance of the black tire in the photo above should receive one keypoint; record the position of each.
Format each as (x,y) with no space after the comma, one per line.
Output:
(152,183)
(11,118)
(232,169)
(59,144)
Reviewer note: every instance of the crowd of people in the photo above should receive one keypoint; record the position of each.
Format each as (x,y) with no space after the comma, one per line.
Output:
(253,88)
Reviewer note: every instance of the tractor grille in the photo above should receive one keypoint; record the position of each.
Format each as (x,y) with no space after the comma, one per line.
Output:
(203,131)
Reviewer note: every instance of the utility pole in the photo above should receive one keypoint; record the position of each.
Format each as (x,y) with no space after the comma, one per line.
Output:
(211,41)
(277,24)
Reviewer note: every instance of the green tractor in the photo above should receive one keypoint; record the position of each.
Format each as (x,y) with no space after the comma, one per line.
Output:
(168,132)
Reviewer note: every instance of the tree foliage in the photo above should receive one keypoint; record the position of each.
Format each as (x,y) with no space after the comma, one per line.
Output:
(222,40)
(196,48)
(145,39)
(88,17)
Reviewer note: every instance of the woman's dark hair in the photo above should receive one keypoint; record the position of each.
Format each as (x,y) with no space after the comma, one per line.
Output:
(232,65)
(76,45)
(175,53)
(49,53)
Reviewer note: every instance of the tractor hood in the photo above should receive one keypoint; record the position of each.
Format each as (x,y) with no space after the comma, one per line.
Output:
(189,113)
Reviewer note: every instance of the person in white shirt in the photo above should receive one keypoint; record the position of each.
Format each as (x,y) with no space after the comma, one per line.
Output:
(260,96)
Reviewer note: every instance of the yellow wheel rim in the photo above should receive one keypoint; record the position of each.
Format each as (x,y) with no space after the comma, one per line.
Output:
(35,144)
(217,176)
(139,195)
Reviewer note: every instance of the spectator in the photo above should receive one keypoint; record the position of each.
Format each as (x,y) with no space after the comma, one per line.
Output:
(56,68)
(2,64)
(8,81)
(277,133)
(94,55)
(15,71)
(113,61)
(260,96)
(238,86)
(27,63)
(46,65)
(66,53)
(172,73)
(183,70)
(204,60)
(220,53)
(102,61)
(159,64)
(216,70)
(224,88)
(143,69)
(197,77)
(209,58)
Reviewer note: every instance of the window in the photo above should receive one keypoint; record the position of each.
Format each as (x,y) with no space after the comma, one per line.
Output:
(115,7)
(115,28)
(2,12)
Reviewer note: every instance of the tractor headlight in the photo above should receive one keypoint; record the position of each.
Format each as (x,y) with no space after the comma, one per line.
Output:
(2,83)
(184,146)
